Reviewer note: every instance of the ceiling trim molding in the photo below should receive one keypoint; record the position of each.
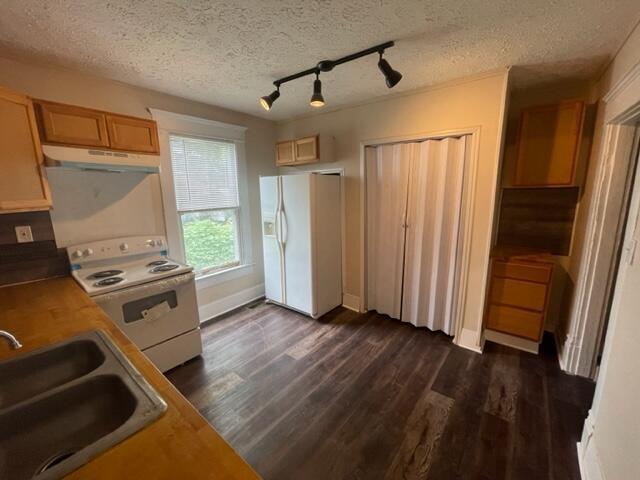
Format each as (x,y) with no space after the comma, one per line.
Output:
(623,83)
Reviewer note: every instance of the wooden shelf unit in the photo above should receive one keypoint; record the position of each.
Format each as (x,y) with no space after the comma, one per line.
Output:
(519,296)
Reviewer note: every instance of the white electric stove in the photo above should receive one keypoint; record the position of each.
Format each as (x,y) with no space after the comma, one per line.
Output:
(151,297)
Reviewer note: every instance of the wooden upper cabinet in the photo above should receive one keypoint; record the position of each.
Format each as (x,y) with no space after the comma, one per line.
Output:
(313,149)
(23,182)
(285,153)
(71,125)
(307,149)
(548,144)
(132,134)
(75,126)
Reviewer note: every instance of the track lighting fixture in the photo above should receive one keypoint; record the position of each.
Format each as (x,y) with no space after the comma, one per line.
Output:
(268,100)
(317,100)
(392,77)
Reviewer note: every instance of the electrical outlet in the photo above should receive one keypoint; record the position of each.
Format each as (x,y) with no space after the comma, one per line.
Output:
(23,234)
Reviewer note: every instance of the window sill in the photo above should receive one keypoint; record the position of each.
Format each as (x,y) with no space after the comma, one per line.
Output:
(216,278)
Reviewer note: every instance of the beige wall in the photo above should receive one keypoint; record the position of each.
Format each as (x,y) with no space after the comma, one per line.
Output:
(611,440)
(477,102)
(92,205)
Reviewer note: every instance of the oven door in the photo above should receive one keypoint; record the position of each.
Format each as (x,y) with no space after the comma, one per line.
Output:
(154,312)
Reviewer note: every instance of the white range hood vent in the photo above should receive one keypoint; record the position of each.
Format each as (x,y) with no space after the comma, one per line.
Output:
(102,160)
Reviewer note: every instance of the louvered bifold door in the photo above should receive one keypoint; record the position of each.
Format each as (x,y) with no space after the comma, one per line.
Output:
(433,221)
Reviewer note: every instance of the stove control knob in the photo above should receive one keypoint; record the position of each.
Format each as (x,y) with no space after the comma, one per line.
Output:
(88,252)
(159,242)
(77,254)
(124,247)
(151,243)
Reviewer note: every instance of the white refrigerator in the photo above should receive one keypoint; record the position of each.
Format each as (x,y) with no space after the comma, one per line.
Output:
(302,241)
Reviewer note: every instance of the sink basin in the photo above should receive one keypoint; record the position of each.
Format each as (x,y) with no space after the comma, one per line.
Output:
(31,374)
(83,398)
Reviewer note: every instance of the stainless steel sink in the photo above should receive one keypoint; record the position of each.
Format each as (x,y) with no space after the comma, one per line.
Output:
(64,404)
(29,375)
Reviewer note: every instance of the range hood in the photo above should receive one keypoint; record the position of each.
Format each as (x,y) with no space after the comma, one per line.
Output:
(102,160)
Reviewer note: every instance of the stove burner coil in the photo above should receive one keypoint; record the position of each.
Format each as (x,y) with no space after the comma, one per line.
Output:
(105,274)
(156,263)
(108,281)
(163,268)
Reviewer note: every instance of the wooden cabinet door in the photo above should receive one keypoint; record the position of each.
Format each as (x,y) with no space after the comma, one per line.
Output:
(23,183)
(307,149)
(71,125)
(285,153)
(548,144)
(132,134)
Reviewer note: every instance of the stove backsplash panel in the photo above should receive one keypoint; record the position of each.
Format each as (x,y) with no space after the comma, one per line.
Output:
(25,262)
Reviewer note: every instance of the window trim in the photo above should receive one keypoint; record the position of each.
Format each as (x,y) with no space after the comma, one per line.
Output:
(184,125)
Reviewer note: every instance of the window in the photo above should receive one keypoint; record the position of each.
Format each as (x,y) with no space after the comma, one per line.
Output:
(205,177)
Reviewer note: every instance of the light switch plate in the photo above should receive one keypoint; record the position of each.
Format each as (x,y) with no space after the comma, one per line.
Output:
(23,234)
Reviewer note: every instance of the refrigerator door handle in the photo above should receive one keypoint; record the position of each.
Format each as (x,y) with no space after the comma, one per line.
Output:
(285,229)
(277,225)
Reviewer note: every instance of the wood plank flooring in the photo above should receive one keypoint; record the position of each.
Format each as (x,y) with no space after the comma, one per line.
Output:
(362,396)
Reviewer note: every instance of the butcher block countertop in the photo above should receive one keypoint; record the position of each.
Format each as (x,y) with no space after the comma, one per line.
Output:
(179,445)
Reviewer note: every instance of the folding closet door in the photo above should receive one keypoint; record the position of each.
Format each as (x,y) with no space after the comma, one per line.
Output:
(434,203)
(387,177)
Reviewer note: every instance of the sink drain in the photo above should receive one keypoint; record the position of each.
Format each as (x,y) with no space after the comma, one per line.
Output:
(55,460)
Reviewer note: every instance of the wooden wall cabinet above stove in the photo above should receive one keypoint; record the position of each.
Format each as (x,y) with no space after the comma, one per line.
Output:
(23,181)
(548,144)
(74,126)
(314,149)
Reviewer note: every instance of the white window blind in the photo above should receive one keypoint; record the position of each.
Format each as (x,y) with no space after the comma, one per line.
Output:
(205,173)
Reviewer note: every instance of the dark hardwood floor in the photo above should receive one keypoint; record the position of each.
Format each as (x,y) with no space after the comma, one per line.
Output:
(362,396)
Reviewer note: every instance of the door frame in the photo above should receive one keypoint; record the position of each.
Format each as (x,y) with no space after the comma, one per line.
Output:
(465,229)
(619,114)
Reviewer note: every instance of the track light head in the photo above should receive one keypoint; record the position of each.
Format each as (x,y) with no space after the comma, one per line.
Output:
(392,77)
(268,100)
(317,100)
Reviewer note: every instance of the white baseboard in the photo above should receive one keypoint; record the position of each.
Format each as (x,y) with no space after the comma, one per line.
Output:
(588,460)
(352,302)
(468,339)
(511,341)
(230,302)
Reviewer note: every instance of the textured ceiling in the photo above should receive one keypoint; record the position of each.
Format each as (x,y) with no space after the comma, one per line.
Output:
(228,53)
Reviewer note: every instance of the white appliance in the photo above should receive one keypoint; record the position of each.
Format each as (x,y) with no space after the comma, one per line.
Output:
(150,297)
(302,241)
(103,160)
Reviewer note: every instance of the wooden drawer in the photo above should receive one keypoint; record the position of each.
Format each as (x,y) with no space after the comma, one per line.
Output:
(514,321)
(518,293)
(522,271)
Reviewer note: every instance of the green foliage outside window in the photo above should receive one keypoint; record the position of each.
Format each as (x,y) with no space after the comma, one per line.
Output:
(210,238)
